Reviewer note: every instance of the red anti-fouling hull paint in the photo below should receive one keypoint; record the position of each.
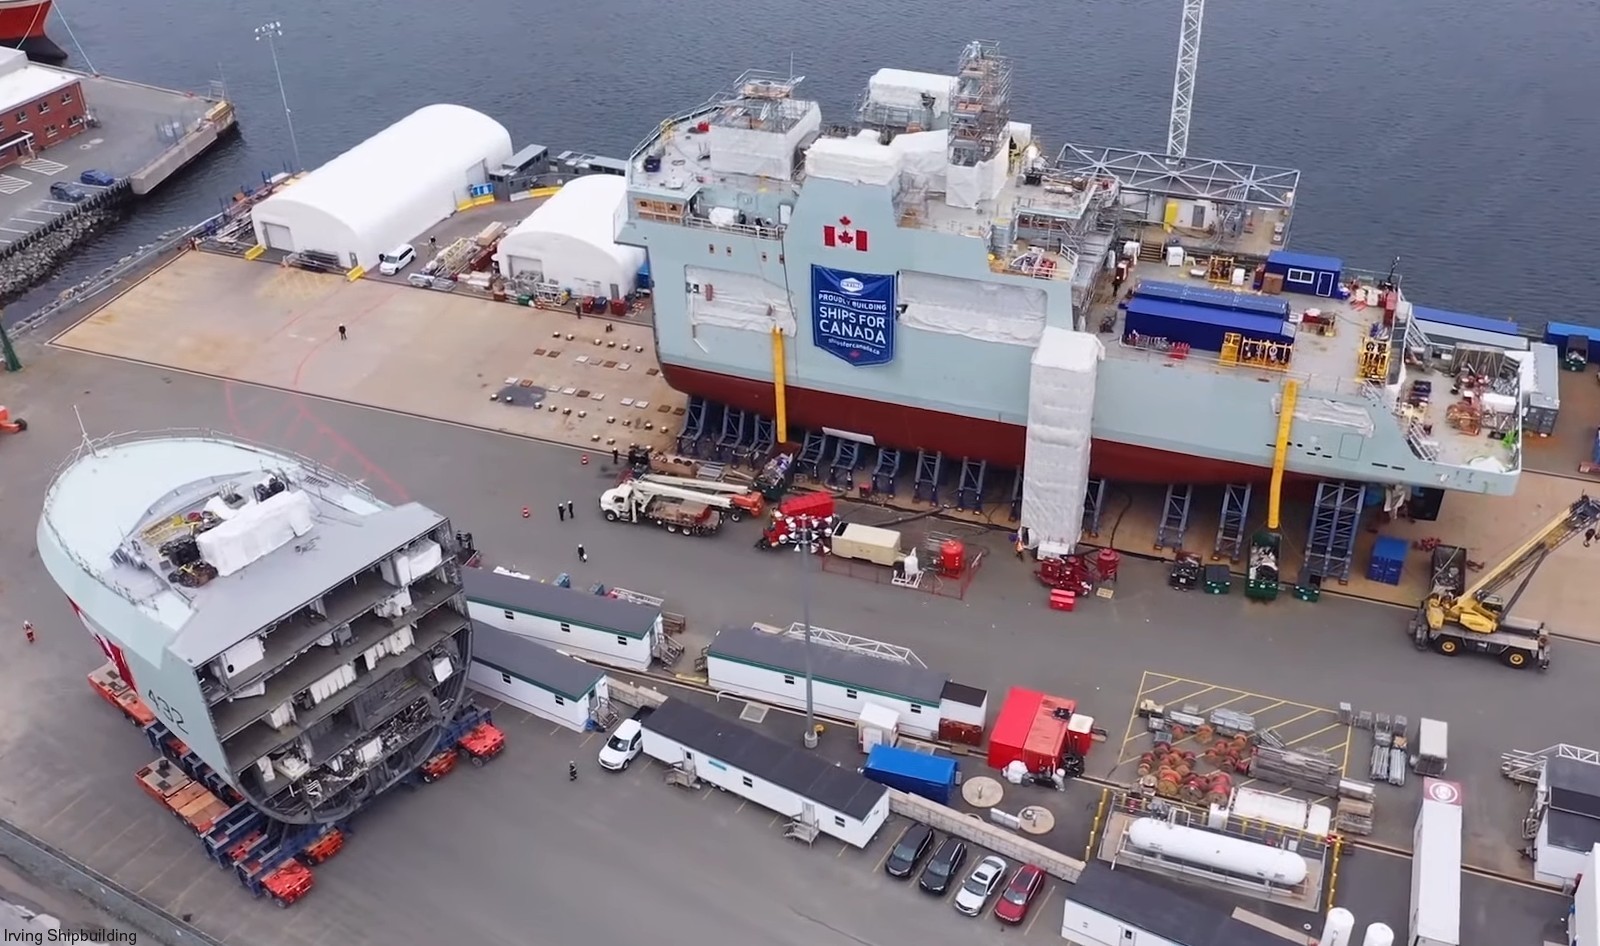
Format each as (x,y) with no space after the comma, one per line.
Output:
(22,25)
(954,435)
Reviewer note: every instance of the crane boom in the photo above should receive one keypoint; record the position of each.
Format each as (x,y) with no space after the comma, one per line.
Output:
(1184,78)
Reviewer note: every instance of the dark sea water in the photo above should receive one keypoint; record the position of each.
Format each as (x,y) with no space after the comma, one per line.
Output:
(1462,137)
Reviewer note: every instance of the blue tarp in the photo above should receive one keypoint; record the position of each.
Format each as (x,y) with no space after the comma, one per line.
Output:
(1288,258)
(1482,323)
(1557,333)
(1213,298)
(932,777)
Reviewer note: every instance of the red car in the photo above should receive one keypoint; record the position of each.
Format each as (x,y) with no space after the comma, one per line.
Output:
(1012,907)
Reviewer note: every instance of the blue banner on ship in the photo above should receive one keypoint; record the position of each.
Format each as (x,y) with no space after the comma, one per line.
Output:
(853,315)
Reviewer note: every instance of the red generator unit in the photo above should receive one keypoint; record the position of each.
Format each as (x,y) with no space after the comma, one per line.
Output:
(1043,732)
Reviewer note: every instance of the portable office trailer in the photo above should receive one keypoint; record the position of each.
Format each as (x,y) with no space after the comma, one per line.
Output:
(1542,404)
(608,630)
(1583,925)
(789,780)
(536,679)
(770,666)
(1208,297)
(1109,907)
(1567,801)
(1436,866)
(933,777)
(1306,273)
(1199,327)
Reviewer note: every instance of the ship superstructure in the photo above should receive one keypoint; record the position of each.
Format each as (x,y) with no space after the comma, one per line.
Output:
(913,258)
(302,637)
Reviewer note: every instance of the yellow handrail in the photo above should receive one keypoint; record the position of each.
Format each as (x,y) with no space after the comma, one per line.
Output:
(1280,451)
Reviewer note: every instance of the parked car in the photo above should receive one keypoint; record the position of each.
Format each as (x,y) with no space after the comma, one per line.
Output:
(944,866)
(623,747)
(70,193)
(1012,907)
(980,885)
(396,259)
(909,851)
(95,177)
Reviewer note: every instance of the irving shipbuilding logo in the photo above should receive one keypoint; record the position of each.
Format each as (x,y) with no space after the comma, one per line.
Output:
(852,286)
(40,937)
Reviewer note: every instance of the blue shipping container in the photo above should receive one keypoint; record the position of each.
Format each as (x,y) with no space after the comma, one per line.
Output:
(1211,298)
(1306,273)
(1388,560)
(1559,333)
(1481,323)
(1199,327)
(932,777)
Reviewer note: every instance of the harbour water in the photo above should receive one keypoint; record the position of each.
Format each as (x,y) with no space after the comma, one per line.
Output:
(1458,137)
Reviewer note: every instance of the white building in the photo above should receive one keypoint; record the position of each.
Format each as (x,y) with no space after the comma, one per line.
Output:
(595,627)
(1108,907)
(536,679)
(789,780)
(570,241)
(1583,923)
(1567,804)
(386,190)
(847,673)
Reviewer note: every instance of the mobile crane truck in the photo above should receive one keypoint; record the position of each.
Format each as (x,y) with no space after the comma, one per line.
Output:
(1479,619)
(680,505)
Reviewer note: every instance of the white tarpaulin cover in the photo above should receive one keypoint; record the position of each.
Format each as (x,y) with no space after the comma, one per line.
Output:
(967,187)
(987,311)
(922,158)
(257,530)
(759,152)
(1055,477)
(737,300)
(900,88)
(860,159)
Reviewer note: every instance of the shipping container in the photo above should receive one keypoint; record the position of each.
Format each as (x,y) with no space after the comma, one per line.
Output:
(932,777)
(1010,734)
(1542,406)
(1198,327)
(1213,298)
(866,543)
(1482,323)
(1388,560)
(1436,866)
(1306,273)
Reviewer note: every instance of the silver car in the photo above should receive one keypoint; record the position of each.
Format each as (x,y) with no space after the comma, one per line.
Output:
(980,885)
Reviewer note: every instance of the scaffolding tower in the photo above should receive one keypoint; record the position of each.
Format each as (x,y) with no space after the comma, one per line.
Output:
(980,105)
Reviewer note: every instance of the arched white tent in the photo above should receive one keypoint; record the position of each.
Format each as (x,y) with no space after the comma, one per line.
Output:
(571,240)
(388,189)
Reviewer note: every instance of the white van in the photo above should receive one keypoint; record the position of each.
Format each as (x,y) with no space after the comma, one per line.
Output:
(396,259)
(623,746)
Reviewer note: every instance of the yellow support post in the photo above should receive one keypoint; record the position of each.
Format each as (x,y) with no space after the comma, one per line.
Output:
(780,398)
(1280,451)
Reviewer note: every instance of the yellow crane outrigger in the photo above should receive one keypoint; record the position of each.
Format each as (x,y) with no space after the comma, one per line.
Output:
(1479,618)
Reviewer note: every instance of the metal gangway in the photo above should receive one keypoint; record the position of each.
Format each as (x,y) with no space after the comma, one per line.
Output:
(1526,768)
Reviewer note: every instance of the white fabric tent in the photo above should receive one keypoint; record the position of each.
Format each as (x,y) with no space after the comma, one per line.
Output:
(388,189)
(571,239)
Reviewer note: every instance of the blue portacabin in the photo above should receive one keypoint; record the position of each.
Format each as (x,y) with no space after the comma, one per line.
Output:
(852,315)
(932,777)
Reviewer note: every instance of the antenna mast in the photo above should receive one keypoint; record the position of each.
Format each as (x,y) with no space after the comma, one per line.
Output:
(1183,81)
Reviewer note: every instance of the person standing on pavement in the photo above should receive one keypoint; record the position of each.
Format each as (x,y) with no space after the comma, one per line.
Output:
(571,512)
(343,335)
(27,630)
(572,771)
(616,457)
(583,553)
(561,511)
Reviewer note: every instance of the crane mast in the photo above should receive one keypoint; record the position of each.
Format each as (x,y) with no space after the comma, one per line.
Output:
(1183,79)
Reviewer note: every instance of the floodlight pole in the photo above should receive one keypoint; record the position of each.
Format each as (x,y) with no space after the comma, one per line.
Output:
(807,547)
(270,32)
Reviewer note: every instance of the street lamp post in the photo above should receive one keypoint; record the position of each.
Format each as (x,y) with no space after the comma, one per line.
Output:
(270,32)
(805,531)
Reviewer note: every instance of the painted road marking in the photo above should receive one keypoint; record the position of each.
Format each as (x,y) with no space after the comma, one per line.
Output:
(12,185)
(43,166)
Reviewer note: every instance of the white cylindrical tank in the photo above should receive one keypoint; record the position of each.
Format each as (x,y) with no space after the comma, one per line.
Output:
(1217,851)
(1339,928)
(1378,934)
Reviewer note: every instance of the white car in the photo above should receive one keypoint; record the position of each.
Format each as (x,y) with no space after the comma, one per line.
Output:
(980,885)
(396,259)
(623,746)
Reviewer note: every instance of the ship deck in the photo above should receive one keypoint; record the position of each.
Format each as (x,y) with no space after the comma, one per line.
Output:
(1323,363)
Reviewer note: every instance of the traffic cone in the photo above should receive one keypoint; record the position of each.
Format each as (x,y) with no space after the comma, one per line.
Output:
(526,512)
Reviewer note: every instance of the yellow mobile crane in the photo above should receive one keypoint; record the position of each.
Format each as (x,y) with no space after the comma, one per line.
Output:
(1479,619)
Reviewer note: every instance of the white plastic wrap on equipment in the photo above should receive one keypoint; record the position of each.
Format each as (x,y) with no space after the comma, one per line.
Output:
(1055,475)
(991,312)
(757,152)
(922,158)
(1021,134)
(857,160)
(900,88)
(257,530)
(967,187)
(737,300)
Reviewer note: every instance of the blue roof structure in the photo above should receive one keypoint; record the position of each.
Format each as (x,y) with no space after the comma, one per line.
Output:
(1213,298)
(1332,264)
(1245,323)
(1482,323)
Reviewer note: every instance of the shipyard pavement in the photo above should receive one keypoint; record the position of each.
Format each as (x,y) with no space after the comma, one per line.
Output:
(494,863)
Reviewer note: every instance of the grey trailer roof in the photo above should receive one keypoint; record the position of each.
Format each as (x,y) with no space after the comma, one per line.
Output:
(790,767)
(532,662)
(858,671)
(559,604)
(1164,911)
(1574,785)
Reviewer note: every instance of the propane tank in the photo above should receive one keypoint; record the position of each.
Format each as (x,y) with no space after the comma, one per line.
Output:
(1378,934)
(1339,928)
(952,557)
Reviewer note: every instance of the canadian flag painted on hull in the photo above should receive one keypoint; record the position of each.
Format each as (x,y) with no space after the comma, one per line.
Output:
(843,235)
(112,651)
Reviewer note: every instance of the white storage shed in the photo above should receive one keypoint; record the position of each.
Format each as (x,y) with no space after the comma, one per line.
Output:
(789,780)
(1108,907)
(535,678)
(387,190)
(570,240)
(1567,804)
(595,627)
(768,665)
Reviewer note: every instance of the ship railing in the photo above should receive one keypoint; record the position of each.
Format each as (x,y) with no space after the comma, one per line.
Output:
(774,232)
(1312,382)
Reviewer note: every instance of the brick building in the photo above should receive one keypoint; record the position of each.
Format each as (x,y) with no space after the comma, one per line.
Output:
(40,107)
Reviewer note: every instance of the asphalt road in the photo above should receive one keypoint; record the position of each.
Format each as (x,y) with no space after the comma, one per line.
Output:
(69,759)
